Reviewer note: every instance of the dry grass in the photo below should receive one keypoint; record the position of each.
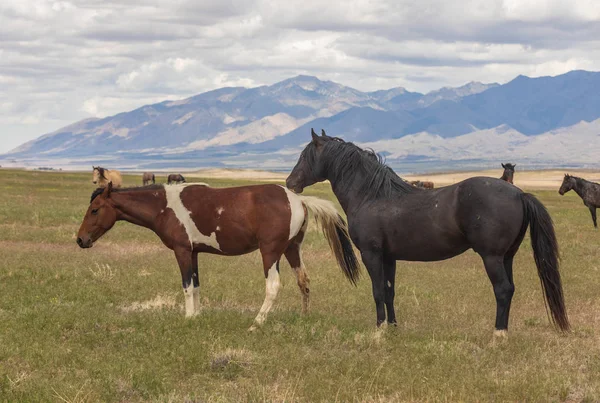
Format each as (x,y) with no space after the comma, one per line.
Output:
(106,324)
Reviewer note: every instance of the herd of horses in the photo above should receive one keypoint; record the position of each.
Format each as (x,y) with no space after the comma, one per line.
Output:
(102,177)
(388,219)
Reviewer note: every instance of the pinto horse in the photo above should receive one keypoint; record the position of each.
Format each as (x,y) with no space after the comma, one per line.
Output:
(509,172)
(196,218)
(390,220)
(102,176)
(588,191)
(147,178)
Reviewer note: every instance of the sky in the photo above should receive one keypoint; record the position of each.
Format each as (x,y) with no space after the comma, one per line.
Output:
(63,61)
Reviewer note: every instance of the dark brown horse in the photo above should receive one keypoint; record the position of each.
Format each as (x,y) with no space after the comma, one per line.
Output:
(175,178)
(147,178)
(588,191)
(509,172)
(390,220)
(195,218)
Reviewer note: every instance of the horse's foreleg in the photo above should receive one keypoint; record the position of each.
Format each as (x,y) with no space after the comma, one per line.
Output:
(196,282)
(373,261)
(188,279)
(390,286)
(593,212)
(503,290)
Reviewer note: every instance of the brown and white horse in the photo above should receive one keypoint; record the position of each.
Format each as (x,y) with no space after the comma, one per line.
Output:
(102,176)
(175,178)
(148,177)
(195,218)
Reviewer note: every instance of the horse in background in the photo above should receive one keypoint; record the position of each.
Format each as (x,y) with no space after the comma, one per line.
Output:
(148,177)
(195,218)
(509,172)
(588,191)
(422,184)
(175,178)
(390,220)
(102,177)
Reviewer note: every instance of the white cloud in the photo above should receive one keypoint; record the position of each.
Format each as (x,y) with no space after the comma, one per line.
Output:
(61,61)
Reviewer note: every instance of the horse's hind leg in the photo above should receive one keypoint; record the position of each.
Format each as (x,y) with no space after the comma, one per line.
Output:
(293,255)
(503,290)
(270,256)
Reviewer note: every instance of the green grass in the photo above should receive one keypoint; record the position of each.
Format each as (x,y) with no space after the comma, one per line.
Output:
(74,326)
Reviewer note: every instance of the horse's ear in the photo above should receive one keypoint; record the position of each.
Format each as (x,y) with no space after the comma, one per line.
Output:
(323,133)
(314,135)
(108,189)
(503,166)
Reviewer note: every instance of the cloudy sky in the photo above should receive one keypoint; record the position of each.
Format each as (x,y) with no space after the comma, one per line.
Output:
(62,61)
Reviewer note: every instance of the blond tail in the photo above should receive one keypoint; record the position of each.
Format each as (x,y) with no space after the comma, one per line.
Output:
(336,231)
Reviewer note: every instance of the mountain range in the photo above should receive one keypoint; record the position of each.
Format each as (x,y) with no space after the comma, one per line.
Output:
(540,122)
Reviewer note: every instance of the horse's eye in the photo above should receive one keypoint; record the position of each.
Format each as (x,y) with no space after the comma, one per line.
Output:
(95,211)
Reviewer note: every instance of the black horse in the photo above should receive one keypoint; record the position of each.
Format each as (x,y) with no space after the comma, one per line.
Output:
(390,220)
(588,191)
(509,172)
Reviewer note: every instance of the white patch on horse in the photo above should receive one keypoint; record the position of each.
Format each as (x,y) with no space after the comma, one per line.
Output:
(389,284)
(173,193)
(220,210)
(271,290)
(189,300)
(218,228)
(297,209)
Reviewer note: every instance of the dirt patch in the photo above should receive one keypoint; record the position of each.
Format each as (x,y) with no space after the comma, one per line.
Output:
(248,174)
(164,301)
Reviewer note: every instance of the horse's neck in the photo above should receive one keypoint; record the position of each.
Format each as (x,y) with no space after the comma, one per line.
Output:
(581,187)
(138,207)
(348,190)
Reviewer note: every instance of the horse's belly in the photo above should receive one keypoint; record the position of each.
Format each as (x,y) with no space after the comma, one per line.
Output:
(428,254)
(428,250)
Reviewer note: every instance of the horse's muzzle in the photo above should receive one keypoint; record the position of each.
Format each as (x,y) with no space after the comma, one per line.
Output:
(84,244)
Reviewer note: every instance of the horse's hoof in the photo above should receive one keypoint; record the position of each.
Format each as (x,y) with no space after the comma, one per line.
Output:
(394,323)
(500,337)
(253,328)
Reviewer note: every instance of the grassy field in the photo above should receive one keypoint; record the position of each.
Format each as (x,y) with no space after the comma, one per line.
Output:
(107,324)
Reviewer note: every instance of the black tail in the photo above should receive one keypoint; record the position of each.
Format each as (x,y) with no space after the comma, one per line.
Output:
(545,253)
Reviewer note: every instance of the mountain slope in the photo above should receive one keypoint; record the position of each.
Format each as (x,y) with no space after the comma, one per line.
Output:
(237,125)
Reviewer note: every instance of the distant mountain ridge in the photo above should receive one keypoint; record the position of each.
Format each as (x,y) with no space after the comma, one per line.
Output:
(237,126)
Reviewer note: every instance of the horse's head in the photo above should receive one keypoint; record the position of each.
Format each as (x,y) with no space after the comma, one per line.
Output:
(310,168)
(99,218)
(567,184)
(97,174)
(509,167)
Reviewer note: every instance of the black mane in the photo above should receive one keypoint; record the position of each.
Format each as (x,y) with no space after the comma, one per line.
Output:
(101,172)
(344,159)
(99,191)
